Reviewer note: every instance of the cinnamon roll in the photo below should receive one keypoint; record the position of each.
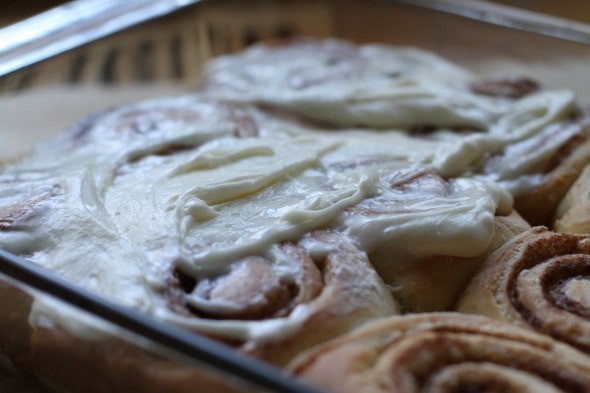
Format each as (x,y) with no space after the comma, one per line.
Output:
(540,169)
(511,131)
(220,231)
(572,213)
(444,352)
(427,236)
(266,307)
(346,85)
(263,308)
(538,280)
(311,187)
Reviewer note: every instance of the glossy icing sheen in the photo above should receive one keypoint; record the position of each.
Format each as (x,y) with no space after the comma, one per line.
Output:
(370,85)
(196,184)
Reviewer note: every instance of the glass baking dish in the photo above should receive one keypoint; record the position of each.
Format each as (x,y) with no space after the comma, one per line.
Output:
(162,53)
(132,333)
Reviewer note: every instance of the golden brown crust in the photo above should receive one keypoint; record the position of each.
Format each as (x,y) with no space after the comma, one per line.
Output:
(352,295)
(538,280)
(435,283)
(573,213)
(436,352)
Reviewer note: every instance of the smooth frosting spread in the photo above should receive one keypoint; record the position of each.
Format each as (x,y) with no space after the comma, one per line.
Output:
(344,84)
(194,184)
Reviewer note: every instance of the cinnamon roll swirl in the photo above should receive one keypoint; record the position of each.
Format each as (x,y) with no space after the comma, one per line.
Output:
(266,307)
(538,280)
(444,352)
(540,169)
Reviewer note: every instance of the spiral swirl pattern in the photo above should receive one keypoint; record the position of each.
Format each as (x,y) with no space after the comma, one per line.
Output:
(539,280)
(445,352)
(273,308)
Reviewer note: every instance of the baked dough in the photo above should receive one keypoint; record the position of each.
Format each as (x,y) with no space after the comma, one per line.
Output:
(573,213)
(443,352)
(538,281)
(314,196)
(424,279)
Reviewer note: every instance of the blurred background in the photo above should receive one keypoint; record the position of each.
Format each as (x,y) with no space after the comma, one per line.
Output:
(165,56)
(573,9)
(12,11)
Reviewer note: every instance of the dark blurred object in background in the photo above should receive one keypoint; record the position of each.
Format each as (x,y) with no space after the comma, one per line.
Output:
(13,11)
(578,10)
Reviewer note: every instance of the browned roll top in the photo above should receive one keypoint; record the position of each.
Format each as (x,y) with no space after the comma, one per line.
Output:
(337,287)
(539,280)
(445,352)
(252,289)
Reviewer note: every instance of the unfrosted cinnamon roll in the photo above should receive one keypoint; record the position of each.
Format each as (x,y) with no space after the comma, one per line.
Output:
(538,280)
(444,352)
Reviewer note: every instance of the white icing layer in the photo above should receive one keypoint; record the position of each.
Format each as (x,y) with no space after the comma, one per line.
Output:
(348,85)
(194,184)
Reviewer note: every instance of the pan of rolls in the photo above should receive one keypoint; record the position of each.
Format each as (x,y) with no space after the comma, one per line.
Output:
(365,217)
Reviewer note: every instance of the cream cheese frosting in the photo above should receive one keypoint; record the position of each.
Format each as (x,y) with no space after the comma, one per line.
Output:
(197,183)
(348,85)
